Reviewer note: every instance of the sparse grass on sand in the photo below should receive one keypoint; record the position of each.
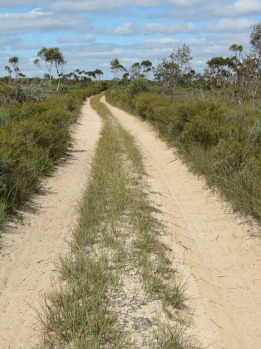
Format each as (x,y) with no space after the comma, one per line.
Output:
(117,266)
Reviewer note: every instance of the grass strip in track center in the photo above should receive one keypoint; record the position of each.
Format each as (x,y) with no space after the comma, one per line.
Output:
(116,230)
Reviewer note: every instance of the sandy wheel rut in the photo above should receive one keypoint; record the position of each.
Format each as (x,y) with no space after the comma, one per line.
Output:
(31,246)
(212,247)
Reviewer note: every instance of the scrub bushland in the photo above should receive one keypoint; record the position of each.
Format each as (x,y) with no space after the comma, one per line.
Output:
(211,137)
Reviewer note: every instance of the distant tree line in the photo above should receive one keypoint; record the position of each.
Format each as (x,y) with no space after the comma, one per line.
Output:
(238,73)
(16,87)
(241,70)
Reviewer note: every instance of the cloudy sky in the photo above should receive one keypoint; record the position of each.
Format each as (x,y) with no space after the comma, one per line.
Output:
(91,33)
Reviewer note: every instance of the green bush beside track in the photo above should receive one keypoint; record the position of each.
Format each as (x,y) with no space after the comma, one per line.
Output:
(205,132)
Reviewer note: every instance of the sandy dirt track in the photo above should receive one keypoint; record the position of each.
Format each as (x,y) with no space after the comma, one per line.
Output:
(211,246)
(30,246)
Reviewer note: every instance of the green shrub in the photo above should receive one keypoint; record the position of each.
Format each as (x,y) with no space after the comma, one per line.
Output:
(159,110)
(138,86)
(121,98)
(202,129)
(32,109)
(145,104)
(5,119)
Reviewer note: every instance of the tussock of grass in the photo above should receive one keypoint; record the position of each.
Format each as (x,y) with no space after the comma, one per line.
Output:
(177,339)
(116,233)
(77,314)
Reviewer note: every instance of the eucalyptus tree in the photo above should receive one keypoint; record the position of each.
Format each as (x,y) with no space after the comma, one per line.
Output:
(91,74)
(14,61)
(98,74)
(255,41)
(53,59)
(246,76)
(247,67)
(125,78)
(16,80)
(146,67)
(172,69)
(78,73)
(117,69)
(135,71)
(246,72)
(167,73)
(21,88)
(237,50)
(220,71)
(9,71)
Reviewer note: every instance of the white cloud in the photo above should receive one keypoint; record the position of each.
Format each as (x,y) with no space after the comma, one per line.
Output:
(229,25)
(102,5)
(245,7)
(155,28)
(187,3)
(151,28)
(18,44)
(40,20)
(162,42)
(79,39)
(236,9)
(9,3)
(124,29)
(198,10)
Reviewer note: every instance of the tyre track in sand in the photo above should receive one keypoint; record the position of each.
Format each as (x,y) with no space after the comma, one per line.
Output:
(212,247)
(31,245)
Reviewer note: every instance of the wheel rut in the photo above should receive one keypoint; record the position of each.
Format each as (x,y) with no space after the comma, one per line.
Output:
(212,247)
(32,243)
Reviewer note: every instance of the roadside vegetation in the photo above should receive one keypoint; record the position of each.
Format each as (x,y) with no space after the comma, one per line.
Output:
(117,266)
(213,119)
(33,136)
(205,131)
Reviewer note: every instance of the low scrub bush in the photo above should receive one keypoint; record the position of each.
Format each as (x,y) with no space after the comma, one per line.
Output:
(121,98)
(138,86)
(206,128)
(145,105)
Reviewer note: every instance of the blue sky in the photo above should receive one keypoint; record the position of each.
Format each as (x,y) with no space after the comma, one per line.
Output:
(91,33)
